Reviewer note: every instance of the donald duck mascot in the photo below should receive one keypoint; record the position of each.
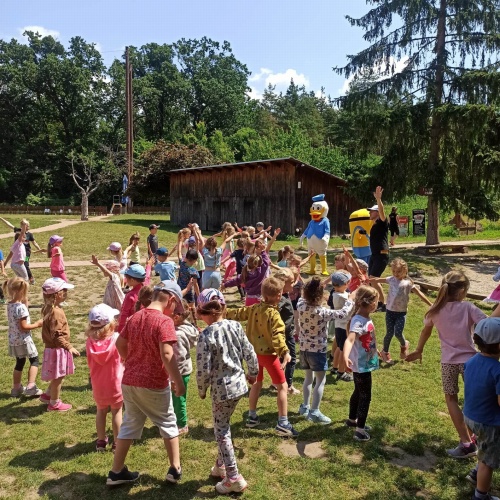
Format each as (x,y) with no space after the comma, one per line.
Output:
(318,233)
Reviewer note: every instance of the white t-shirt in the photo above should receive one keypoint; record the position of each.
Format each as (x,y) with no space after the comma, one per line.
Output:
(399,294)
(15,312)
(113,295)
(339,300)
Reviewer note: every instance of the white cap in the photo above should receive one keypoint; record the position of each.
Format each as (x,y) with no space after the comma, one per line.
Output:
(102,315)
(373,209)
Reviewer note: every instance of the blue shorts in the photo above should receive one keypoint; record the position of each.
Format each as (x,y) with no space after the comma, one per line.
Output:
(315,361)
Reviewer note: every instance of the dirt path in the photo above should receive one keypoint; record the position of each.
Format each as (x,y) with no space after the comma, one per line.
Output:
(59,225)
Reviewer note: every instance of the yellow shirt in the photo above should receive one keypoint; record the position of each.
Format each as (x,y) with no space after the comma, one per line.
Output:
(265,328)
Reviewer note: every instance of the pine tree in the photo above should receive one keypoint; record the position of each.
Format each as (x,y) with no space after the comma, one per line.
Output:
(445,99)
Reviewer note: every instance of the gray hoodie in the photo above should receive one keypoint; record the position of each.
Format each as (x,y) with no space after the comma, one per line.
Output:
(187,337)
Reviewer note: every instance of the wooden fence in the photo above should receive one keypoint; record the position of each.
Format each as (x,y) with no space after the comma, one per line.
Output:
(150,210)
(51,210)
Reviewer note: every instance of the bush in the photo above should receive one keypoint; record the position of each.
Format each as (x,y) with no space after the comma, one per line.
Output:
(36,200)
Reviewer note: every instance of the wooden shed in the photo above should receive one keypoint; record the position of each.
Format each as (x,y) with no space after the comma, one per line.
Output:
(277,192)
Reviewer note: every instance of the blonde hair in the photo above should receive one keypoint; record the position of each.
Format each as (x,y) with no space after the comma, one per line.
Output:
(271,287)
(399,268)
(365,296)
(16,289)
(295,260)
(285,274)
(453,288)
(250,230)
(253,262)
(295,271)
(117,253)
(135,236)
(100,332)
(185,232)
(339,257)
(49,302)
(281,253)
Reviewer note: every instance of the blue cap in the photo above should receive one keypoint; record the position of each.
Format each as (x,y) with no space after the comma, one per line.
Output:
(318,197)
(134,271)
(162,251)
(340,278)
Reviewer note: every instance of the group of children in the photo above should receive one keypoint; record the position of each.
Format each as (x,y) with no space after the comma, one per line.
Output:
(139,341)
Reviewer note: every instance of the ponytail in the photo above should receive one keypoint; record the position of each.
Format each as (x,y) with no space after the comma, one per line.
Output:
(453,288)
(49,250)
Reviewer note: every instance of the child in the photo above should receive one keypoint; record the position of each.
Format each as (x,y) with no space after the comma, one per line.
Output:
(238,257)
(133,252)
(146,345)
(188,274)
(212,256)
(454,319)
(135,276)
(358,269)
(283,255)
(494,296)
(313,340)
(340,262)
(286,313)
(21,345)
(221,349)
(58,354)
(482,403)
(361,356)
(338,298)
(18,254)
(116,251)
(54,252)
(266,332)
(106,371)
(400,287)
(187,336)
(294,296)
(113,294)
(153,241)
(164,268)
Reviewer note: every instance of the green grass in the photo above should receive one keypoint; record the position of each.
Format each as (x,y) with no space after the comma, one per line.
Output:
(51,456)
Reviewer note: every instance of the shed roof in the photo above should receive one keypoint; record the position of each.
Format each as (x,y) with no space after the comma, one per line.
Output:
(270,162)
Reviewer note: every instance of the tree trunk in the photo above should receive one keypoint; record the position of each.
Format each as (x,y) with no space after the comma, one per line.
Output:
(436,131)
(85,207)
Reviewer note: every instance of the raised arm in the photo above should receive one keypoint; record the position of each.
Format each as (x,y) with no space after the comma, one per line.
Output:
(270,243)
(378,197)
(105,271)
(351,260)
(7,223)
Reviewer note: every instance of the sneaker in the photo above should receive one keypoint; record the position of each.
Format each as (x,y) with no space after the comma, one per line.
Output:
(293,391)
(463,451)
(286,430)
(404,350)
(231,486)
(334,371)
(353,423)
(122,477)
(100,444)
(386,357)
(44,398)
(472,477)
(219,472)
(252,422)
(346,377)
(33,392)
(304,410)
(183,430)
(361,436)
(59,406)
(173,475)
(17,393)
(319,418)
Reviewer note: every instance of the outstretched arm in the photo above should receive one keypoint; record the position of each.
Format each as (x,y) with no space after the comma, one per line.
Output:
(416,290)
(270,243)
(7,223)
(378,197)
(105,271)
(424,337)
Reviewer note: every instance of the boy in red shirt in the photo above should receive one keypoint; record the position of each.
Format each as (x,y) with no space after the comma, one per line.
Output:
(145,343)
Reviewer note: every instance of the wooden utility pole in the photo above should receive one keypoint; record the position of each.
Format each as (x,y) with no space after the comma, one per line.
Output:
(130,122)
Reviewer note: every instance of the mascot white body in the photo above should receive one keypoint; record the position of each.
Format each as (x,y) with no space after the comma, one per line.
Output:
(318,233)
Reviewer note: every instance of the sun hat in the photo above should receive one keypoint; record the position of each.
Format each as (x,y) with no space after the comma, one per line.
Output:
(210,294)
(102,314)
(154,226)
(55,239)
(134,271)
(171,287)
(54,285)
(162,251)
(340,278)
(111,265)
(115,246)
(373,209)
(488,330)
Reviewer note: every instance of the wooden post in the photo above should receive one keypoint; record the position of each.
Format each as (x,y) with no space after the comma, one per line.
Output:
(130,122)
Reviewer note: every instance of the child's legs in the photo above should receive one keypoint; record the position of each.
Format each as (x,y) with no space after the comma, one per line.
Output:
(354,402)
(296,324)
(116,421)
(273,366)
(179,403)
(253,397)
(319,387)
(172,448)
(363,384)
(340,338)
(55,388)
(19,270)
(33,370)
(222,412)
(337,358)
(28,270)
(230,269)
(121,451)
(18,372)
(100,423)
(484,477)
(399,326)
(307,386)
(450,374)
(290,367)
(390,322)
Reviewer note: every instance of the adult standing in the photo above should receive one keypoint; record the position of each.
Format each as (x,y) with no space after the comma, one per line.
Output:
(29,238)
(379,245)
(394,225)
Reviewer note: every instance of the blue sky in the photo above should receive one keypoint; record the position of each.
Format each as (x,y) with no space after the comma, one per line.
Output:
(277,40)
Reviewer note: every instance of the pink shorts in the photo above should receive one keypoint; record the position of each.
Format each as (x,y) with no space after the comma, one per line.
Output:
(272,364)
(59,274)
(104,404)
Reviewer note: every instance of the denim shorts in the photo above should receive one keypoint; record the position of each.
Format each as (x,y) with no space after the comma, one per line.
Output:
(488,442)
(315,361)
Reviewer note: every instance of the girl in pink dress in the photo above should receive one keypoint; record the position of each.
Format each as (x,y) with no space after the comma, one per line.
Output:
(54,252)
(494,296)
(106,371)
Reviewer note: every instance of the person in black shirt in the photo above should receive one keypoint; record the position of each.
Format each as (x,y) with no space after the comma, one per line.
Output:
(379,245)
(394,225)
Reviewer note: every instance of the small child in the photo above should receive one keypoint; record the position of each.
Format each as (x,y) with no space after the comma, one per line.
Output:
(116,251)
(482,403)
(400,287)
(212,256)
(360,354)
(132,252)
(113,294)
(188,274)
(313,346)
(494,296)
(358,269)
(106,371)
(339,262)
(146,345)
(135,276)
(187,336)
(153,241)
(54,252)
(58,355)
(164,268)
(18,254)
(266,332)
(238,256)
(144,298)
(21,345)
(221,349)
(283,255)
(338,298)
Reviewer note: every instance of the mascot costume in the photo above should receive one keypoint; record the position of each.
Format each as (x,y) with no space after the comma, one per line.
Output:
(360,226)
(318,233)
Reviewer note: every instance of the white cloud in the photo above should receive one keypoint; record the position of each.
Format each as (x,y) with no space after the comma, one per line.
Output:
(98,47)
(255,94)
(40,30)
(258,76)
(378,69)
(283,79)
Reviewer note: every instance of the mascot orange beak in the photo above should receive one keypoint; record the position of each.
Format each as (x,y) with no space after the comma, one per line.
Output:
(316,215)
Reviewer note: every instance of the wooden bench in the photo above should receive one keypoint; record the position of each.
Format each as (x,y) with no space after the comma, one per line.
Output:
(425,287)
(441,249)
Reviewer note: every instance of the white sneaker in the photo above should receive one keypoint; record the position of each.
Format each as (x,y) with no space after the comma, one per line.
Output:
(228,486)
(217,471)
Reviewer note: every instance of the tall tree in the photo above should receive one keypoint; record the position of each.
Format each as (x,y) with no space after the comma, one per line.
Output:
(449,80)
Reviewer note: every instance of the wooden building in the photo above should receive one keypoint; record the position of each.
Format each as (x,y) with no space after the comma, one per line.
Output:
(277,192)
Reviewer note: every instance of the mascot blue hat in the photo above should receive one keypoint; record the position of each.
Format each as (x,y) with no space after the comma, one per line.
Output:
(318,197)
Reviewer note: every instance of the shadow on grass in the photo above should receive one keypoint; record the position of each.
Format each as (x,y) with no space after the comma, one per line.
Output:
(144,223)
(57,452)
(16,413)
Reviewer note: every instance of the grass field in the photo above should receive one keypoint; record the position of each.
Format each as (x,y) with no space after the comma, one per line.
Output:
(46,455)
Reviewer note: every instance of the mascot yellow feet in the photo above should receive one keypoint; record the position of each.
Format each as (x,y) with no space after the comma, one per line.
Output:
(312,269)
(324,271)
